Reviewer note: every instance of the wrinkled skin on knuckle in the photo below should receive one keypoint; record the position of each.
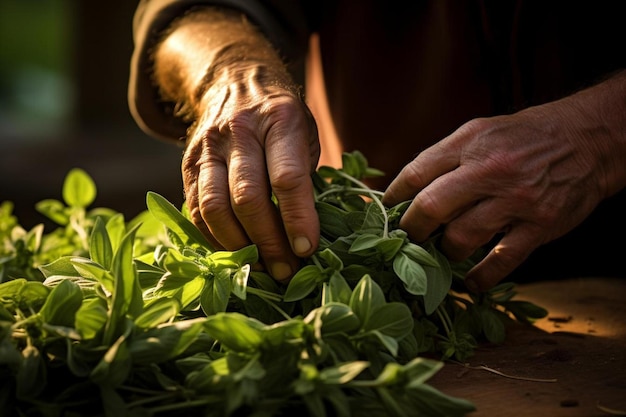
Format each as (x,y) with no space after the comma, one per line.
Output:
(458,245)
(288,117)
(246,197)
(430,206)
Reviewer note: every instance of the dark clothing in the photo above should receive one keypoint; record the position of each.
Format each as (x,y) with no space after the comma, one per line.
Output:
(403,78)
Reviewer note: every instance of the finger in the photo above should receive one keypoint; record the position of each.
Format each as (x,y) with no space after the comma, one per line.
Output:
(289,169)
(419,173)
(513,249)
(190,168)
(215,206)
(255,211)
(473,229)
(440,202)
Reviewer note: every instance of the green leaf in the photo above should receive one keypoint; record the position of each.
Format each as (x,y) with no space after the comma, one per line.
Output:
(374,221)
(342,374)
(10,289)
(187,291)
(216,292)
(115,365)
(493,327)
(303,283)
(126,298)
(235,331)
(91,317)
(410,273)
(332,220)
(366,297)
(338,289)
(438,283)
(62,304)
(390,343)
(160,311)
(32,295)
(364,242)
(240,281)
(333,318)
(238,258)
(174,220)
(420,370)
(54,210)
(60,266)
(100,249)
(419,254)
(79,189)
(392,319)
(332,260)
(91,270)
(525,311)
(116,229)
(160,344)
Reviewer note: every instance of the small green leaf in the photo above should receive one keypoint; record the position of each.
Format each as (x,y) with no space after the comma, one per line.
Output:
(60,266)
(333,318)
(174,220)
(419,254)
(366,297)
(116,229)
(100,249)
(493,327)
(32,295)
(240,281)
(392,319)
(114,366)
(216,293)
(332,223)
(364,242)
(332,260)
(342,374)
(303,283)
(62,304)
(438,283)
(79,189)
(410,273)
(160,311)
(91,317)
(54,210)
(339,289)
(235,331)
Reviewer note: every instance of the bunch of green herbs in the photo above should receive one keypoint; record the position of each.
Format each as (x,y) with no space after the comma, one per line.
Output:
(108,317)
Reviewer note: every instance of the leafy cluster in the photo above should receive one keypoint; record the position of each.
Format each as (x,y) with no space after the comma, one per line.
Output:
(108,317)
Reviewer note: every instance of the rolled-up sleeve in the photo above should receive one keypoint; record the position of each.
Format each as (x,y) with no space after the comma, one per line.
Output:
(283,22)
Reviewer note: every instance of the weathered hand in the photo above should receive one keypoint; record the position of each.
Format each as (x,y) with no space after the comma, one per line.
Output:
(523,179)
(254,139)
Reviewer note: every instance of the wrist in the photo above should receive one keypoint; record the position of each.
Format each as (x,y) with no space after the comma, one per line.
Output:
(208,48)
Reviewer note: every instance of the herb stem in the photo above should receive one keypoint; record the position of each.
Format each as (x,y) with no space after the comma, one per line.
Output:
(373,194)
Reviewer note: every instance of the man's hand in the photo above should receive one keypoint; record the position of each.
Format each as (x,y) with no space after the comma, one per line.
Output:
(254,141)
(252,138)
(523,179)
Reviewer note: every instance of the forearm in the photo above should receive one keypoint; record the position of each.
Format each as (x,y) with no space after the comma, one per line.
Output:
(209,46)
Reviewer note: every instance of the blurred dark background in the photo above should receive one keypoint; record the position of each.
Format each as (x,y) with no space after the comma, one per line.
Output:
(63,75)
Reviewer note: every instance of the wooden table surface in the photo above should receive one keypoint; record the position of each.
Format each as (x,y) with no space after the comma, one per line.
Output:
(571,363)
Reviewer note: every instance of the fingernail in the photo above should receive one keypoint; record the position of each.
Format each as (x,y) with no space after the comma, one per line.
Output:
(471,285)
(281,271)
(301,245)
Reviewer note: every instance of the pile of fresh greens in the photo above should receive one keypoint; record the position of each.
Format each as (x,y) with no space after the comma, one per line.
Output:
(108,317)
